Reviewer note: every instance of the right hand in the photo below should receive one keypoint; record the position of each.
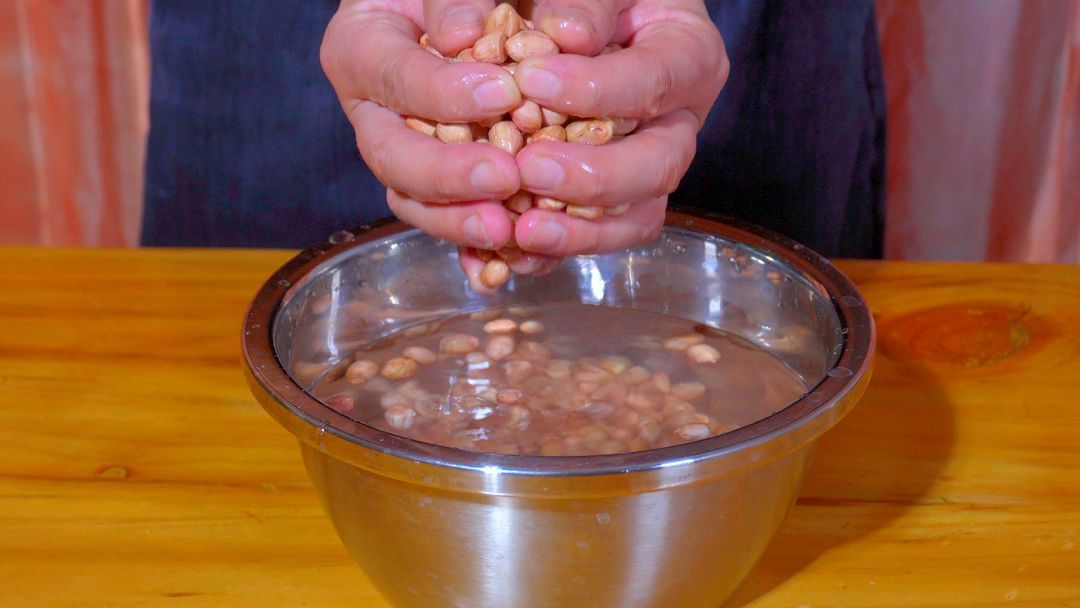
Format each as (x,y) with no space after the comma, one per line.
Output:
(371,56)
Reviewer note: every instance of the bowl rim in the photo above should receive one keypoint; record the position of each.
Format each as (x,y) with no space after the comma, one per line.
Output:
(787,429)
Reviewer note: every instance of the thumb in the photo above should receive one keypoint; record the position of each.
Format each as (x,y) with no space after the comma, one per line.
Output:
(452,25)
(578,26)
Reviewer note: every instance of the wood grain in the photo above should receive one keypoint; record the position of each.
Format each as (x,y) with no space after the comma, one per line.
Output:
(136,469)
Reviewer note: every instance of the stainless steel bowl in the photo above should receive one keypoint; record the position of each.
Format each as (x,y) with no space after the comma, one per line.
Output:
(435,526)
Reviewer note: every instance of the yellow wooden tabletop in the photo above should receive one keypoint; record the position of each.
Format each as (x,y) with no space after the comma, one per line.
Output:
(137,470)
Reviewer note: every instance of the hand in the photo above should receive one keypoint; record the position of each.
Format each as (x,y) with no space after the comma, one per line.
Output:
(371,56)
(669,74)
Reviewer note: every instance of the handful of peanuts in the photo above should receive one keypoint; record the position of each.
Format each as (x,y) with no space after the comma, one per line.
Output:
(508,39)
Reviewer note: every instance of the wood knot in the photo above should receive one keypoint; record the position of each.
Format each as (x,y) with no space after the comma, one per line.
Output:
(967,335)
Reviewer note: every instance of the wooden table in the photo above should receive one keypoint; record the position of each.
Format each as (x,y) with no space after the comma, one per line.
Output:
(137,470)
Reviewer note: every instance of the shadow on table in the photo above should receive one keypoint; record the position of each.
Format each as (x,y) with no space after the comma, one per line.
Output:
(881,460)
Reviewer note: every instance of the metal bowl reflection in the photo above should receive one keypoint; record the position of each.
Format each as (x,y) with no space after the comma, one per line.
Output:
(674,527)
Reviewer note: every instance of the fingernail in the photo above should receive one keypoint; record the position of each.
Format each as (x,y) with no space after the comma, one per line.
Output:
(542,173)
(487,178)
(476,232)
(461,18)
(538,83)
(495,95)
(545,236)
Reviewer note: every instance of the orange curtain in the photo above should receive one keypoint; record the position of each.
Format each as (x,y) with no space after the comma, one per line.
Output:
(984,129)
(73,97)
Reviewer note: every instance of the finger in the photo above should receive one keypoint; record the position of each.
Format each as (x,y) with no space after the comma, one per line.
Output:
(425,168)
(578,26)
(645,165)
(671,64)
(375,55)
(480,224)
(532,263)
(455,24)
(558,234)
(473,266)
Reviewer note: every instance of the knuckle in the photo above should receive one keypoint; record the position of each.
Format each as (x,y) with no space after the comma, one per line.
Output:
(673,165)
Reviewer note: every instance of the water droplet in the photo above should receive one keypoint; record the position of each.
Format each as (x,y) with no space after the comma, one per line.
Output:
(283,283)
(603,518)
(839,372)
(341,236)
(799,247)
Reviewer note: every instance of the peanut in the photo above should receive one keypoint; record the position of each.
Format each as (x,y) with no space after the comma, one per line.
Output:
(590,132)
(400,417)
(490,48)
(420,355)
(681,343)
(454,134)
(553,118)
(495,273)
(399,368)
(459,344)
(585,212)
(501,326)
(504,20)
(519,202)
(361,371)
(532,326)
(419,124)
(527,117)
(548,204)
(499,347)
(506,135)
(702,353)
(530,43)
(549,133)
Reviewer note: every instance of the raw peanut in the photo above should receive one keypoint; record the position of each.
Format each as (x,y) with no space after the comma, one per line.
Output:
(649,431)
(598,409)
(693,431)
(585,212)
(623,126)
(519,202)
(681,343)
(687,391)
(590,132)
(465,56)
(534,351)
(509,396)
(419,124)
(399,368)
(530,43)
(702,353)
(510,254)
(454,134)
(635,375)
(477,360)
(459,344)
(486,315)
(426,45)
(389,400)
(421,355)
(490,48)
(488,394)
(552,446)
(412,390)
(548,203)
(341,403)
(553,118)
(615,365)
(485,255)
(527,117)
(505,20)
(506,135)
(400,417)
(487,123)
(558,369)
(617,210)
(549,133)
(495,273)
(661,382)
(517,372)
(532,326)
(361,371)
(306,371)
(499,347)
(501,326)
(518,417)
(640,402)
(524,311)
